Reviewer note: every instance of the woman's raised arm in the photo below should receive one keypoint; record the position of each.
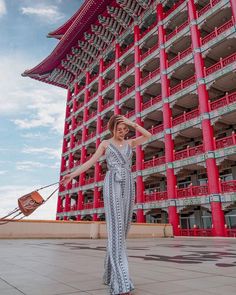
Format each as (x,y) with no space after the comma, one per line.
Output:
(85,166)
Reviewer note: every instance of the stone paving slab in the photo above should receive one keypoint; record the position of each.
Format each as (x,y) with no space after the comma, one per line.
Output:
(186,266)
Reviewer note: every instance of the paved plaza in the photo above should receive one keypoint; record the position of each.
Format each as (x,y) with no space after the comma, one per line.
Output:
(187,266)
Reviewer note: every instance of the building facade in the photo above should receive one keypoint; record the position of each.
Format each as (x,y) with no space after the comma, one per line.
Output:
(169,66)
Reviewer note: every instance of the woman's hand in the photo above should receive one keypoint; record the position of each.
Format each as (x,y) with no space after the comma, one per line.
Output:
(66,179)
(126,121)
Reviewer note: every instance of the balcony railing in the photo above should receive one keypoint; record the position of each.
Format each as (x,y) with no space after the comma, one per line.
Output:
(88,205)
(221,64)
(226,141)
(196,232)
(207,7)
(192,191)
(126,69)
(155,196)
(154,162)
(189,152)
(127,91)
(217,31)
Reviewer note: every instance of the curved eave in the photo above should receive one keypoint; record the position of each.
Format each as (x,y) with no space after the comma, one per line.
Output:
(45,81)
(62,29)
(87,16)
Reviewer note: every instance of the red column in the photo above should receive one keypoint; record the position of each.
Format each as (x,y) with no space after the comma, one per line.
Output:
(83,149)
(62,168)
(117,77)
(233,6)
(97,170)
(67,206)
(138,109)
(167,114)
(207,130)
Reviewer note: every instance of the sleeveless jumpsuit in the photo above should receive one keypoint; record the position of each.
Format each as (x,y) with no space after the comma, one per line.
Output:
(119,197)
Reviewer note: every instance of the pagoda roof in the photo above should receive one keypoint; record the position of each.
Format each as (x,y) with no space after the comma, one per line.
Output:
(83,37)
(73,30)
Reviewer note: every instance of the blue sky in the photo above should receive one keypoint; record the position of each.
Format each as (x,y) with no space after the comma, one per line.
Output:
(31,112)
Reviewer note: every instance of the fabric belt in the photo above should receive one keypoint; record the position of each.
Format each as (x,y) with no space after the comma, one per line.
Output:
(118,171)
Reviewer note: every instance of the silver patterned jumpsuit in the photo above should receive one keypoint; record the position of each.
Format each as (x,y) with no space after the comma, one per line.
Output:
(119,195)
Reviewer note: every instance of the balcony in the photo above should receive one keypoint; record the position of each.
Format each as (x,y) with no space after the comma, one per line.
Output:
(191,191)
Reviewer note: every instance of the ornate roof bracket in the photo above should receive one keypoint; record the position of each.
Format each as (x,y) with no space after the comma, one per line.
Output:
(120,16)
(131,7)
(95,41)
(103,33)
(90,49)
(144,3)
(60,76)
(110,24)
(85,58)
(72,68)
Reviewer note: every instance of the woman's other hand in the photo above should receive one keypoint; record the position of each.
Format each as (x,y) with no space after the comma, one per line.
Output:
(66,179)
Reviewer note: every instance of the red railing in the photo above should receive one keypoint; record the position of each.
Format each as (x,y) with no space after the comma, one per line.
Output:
(130,114)
(182,85)
(148,29)
(93,78)
(91,135)
(207,7)
(92,115)
(150,76)
(88,205)
(154,162)
(191,191)
(109,64)
(108,104)
(127,91)
(180,56)
(155,196)
(196,232)
(185,117)
(221,64)
(156,129)
(100,204)
(108,83)
(177,30)
(126,49)
(151,102)
(126,69)
(189,152)
(150,50)
(175,6)
(226,100)
(226,141)
(80,106)
(231,232)
(217,31)
(228,186)
(73,207)
(89,180)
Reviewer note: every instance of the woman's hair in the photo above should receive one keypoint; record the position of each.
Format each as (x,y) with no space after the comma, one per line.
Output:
(112,123)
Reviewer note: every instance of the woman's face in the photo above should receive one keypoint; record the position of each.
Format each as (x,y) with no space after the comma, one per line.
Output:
(121,131)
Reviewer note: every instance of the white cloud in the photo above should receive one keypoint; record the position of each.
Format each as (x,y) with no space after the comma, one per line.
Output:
(52,153)
(32,165)
(3,172)
(3,9)
(12,192)
(49,13)
(42,104)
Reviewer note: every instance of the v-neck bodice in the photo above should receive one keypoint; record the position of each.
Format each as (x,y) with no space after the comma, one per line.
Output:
(118,157)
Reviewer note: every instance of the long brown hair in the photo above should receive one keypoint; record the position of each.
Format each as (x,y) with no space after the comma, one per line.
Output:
(113,122)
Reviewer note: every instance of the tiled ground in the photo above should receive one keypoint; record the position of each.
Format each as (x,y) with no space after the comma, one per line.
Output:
(187,266)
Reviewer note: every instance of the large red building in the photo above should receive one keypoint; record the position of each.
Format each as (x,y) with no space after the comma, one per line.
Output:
(170,66)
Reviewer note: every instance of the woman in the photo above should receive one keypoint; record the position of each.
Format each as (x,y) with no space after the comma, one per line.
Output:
(118,195)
